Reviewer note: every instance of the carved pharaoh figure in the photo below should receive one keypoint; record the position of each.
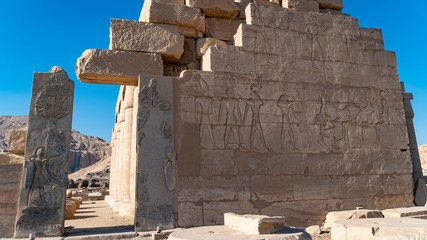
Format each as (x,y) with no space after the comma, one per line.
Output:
(233,118)
(286,104)
(255,103)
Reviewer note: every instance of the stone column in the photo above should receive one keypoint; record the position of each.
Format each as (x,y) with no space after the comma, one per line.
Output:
(41,205)
(417,170)
(133,146)
(127,207)
(120,159)
(109,198)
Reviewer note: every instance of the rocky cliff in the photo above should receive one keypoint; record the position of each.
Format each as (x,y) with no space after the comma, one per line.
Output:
(85,150)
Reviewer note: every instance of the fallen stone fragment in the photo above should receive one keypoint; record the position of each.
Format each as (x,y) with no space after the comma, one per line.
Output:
(379,228)
(222,233)
(301,5)
(202,45)
(175,14)
(331,4)
(332,217)
(216,8)
(222,29)
(116,67)
(404,212)
(138,36)
(17,139)
(254,224)
(313,230)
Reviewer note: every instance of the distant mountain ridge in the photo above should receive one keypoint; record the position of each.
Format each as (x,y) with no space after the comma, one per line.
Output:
(85,150)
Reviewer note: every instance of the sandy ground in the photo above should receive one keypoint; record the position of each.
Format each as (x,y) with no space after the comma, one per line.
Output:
(95,214)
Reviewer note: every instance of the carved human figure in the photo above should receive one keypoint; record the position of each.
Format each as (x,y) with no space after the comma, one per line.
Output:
(205,114)
(233,119)
(286,104)
(41,177)
(316,47)
(169,168)
(255,103)
(383,111)
(367,109)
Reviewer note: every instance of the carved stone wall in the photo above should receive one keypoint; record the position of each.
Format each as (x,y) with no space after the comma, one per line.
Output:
(41,204)
(155,173)
(304,115)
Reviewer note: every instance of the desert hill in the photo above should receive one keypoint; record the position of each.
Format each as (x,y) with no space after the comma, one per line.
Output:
(85,150)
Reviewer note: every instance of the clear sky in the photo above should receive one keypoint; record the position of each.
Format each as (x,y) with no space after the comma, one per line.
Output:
(36,35)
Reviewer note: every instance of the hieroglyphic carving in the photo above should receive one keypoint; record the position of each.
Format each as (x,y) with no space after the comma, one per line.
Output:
(170,168)
(54,101)
(166,131)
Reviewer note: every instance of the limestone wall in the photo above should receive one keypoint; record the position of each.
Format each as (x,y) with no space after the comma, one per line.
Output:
(10,179)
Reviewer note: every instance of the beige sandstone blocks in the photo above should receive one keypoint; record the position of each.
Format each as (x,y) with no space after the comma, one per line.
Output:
(169,13)
(216,8)
(254,224)
(331,4)
(147,37)
(17,140)
(117,67)
(301,5)
(221,28)
(202,45)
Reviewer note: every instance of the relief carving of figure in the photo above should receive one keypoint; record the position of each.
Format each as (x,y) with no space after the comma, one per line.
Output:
(233,119)
(286,104)
(255,103)
(41,177)
(205,114)
(317,52)
(169,168)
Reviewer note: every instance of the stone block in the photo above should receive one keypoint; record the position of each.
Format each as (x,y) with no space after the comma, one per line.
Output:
(175,14)
(301,5)
(332,217)
(7,224)
(216,8)
(190,53)
(326,187)
(331,4)
(69,211)
(254,224)
(147,37)
(5,158)
(175,70)
(190,32)
(361,229)
(182,2)
(404,212)
(420,192)
(202,45)
(117,67)
(17,139)
(227,58)
(222,29)
(41,206)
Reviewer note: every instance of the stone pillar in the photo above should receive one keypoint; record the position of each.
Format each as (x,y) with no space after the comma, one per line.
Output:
(41,205)
(110,198)
(133,154)
(155,183)
(120,159)
(417,170)
(127,207)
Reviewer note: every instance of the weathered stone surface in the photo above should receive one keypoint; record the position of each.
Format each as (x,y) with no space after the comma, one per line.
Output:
(17,140)
(404,212)
(176,14)
(147,37)
(116,67)
(42,198)
(331,4)
(350,214)
(254,224)
(190,53)
(175,70)
(301,5)
(190,32)
(420,192)
(202,45)
(182,2)
(156,154)
(216,8)
(10,178)
(221,232)
(222,29)
(384,229)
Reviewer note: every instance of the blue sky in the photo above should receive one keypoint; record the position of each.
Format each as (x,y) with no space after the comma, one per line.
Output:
(36,35)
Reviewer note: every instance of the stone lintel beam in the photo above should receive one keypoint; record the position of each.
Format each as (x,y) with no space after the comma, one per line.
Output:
(116,67)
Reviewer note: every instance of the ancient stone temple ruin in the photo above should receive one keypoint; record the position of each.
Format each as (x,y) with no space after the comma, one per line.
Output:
(284,108)
(277,108)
